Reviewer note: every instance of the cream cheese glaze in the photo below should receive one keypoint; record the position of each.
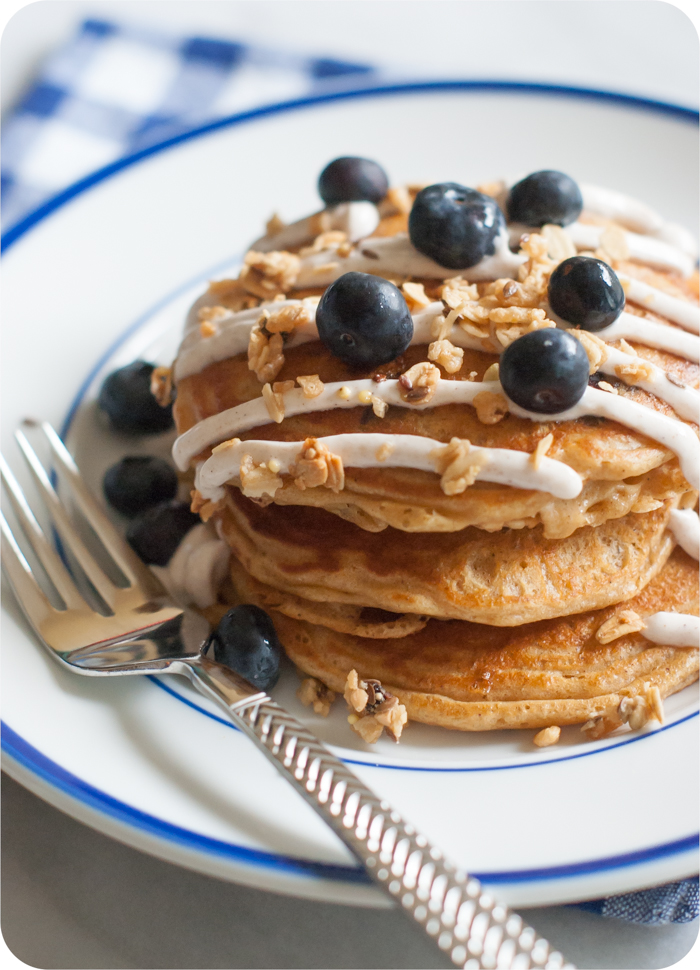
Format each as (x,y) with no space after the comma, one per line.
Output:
(671,433)
(672,629)
(502,465)
(685,526)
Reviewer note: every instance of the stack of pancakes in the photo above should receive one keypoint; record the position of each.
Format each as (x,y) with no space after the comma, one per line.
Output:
(480,609)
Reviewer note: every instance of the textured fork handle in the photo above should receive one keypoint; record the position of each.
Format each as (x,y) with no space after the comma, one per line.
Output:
(465,921)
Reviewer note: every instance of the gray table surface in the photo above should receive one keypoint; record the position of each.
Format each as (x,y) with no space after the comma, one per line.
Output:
(74,898)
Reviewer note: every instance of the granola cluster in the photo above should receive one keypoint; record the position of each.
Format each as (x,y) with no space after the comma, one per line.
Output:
(313,693)
(267,274)
(374,709)
(315,465)
(458,465)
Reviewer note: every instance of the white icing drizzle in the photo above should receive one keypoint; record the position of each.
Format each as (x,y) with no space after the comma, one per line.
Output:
(686,315)
(629,212)
(644,249)
(357,450)
(684,400)
(356,219)
(672,629)
(196,568)
(396,256)
(652,334)
(685,526)
(671,433)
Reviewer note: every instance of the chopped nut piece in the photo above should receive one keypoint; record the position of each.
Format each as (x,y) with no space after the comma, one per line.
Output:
(458,465)
(162,385)
(440,328)
(313,693)
(201,506)
(281,387)
(414,294)
(374,709)
(379,406)
(383,451)
(626,621)
(287,318)
(225,445)
(266,274)
(604,386)
(265,355)
(311,385)
(354,694)
(559,243)
(274,225)
(258,480)
(547,736)
(315,465)
(596,349)
(232,295)
(515,314)
(613,242)
(212,313)
(274,404)
(331,239)
(641,708)
(400,198)
(492,373)
(601,725)
(634,372)
(447,355)
(490,407)
(207,329)
(543,446)
(675,380)
(417,385)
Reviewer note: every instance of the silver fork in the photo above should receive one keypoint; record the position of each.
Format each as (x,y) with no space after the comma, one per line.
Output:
(143,633)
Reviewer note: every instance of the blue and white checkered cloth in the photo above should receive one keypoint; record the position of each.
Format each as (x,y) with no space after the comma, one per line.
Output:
(115,89)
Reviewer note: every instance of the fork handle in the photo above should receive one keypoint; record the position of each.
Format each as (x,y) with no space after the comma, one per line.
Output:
(464,920)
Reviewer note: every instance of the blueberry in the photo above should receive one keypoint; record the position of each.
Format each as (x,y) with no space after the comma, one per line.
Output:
(156,534)
(352,180)
(545,371)
(454,225)
(245,640)
(586,292)
(126,398)
(545,197)
(364,320)
(136,483)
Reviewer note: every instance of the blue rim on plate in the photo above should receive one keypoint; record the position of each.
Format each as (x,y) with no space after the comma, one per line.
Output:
(33,761)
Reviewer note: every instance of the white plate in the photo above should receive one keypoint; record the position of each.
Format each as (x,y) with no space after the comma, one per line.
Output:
(152,763)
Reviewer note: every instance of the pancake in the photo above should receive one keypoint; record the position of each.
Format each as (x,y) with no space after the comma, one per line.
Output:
(472,677)
(609,457)
(505,578)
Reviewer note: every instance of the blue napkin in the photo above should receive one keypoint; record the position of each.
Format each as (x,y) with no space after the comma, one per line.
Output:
(113,89)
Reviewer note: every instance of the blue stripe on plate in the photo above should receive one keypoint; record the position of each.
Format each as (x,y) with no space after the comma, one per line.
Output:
(28,757)
(423,87)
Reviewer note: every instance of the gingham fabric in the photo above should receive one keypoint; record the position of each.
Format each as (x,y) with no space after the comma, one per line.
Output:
(114,89)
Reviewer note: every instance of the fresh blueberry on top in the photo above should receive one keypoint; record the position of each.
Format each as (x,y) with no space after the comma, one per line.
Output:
(586,293)
(454,225)
(545,371)
(125,396)
(246,642)
(364,320)
(545,197)
(156,534)
(138,482)
(352,180)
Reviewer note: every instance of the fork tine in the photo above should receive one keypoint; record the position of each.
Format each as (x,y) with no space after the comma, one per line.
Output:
(127,560)
(32,598)
(46,554)
(104,586)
